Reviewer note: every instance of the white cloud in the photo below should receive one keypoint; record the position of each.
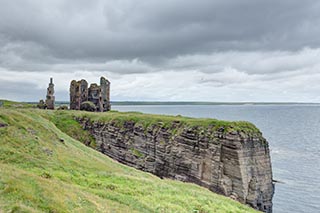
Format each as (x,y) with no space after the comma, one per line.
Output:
(226,76)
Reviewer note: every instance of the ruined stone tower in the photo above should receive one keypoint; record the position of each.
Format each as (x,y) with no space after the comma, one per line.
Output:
(50,95)
(98,95)
(105,93)
(78,93)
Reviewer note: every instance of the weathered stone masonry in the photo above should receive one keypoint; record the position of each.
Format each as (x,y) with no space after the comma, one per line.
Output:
(50,99)
(234,163)
(98,95)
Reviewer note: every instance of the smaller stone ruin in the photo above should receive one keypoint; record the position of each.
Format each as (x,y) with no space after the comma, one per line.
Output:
(50,95)
(50,98)
(81,96)
(42,104)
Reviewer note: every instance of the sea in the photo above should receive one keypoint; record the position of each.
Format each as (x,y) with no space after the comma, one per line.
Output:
(293,133)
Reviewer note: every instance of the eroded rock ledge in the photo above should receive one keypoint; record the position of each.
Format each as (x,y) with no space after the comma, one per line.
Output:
(230,161)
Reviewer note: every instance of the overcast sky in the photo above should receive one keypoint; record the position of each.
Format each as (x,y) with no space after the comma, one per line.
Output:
(173,50)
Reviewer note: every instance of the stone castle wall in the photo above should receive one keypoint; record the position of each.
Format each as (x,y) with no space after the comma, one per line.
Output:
(98,95)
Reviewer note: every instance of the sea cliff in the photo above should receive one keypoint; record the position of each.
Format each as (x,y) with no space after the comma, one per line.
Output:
(230,158)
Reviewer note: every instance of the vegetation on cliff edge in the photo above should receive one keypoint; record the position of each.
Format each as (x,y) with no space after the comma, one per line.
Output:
(165,120)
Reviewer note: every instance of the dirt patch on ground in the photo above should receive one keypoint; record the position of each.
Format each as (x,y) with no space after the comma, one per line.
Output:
(2,125)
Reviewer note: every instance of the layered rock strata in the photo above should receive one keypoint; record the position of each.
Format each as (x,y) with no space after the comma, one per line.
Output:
(233,163)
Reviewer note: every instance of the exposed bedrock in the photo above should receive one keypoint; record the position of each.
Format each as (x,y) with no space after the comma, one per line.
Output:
(233,163)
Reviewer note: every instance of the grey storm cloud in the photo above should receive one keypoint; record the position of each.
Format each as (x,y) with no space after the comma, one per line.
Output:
(100,30)
(159,50)
(17,90)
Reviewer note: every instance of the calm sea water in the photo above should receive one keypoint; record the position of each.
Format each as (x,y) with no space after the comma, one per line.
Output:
(293,132)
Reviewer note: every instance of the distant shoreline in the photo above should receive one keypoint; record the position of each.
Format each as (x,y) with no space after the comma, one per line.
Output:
(141,103)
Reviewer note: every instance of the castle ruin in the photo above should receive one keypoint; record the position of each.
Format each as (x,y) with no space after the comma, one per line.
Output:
(50,99)
(99,96)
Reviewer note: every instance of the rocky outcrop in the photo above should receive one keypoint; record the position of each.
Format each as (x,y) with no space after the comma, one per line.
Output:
(230,162)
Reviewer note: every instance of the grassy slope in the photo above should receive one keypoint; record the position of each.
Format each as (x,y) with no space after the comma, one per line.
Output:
(38,173)
(13,104)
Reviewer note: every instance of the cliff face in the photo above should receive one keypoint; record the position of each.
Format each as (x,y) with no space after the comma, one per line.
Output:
(232,163)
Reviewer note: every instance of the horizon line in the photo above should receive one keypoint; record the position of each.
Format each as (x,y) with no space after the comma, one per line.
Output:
(195,102)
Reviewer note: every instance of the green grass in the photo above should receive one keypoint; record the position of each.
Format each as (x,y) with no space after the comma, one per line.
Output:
(14,104)
(65,121)
(38,173)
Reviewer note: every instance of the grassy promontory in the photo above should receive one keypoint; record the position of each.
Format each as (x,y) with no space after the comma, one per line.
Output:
(42,169)
(148,119)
